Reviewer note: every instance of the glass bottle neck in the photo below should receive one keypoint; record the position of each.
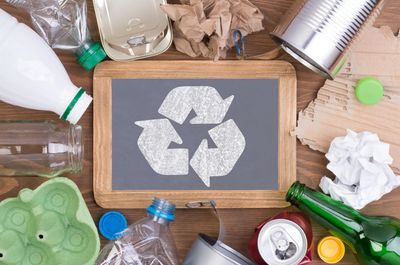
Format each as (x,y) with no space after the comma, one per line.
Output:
(75,148)
(342,221)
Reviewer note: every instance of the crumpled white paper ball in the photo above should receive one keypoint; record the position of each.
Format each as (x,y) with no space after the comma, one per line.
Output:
(360,162)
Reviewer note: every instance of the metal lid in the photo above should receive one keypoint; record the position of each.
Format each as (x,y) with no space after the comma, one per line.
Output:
(306,61)
(282,242)
(131,30)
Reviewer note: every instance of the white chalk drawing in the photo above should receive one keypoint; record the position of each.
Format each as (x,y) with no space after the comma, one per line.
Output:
(210,108)
(206,102)
(153,142)
(219,161)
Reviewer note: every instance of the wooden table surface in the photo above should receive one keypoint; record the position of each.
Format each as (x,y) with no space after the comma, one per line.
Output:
(239,224)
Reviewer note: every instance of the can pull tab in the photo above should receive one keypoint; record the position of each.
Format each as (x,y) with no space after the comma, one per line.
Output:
(139,45)
(285,248)
(137,41)
(213,205)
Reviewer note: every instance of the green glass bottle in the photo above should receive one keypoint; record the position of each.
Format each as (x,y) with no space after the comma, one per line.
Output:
(374,240)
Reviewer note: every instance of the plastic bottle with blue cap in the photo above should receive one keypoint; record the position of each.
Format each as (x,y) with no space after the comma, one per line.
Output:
(149,241)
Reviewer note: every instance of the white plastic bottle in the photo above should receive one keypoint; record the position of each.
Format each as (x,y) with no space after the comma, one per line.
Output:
(32,76)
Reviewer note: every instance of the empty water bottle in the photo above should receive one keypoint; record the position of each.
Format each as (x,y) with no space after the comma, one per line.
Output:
(63,25)
(147,242)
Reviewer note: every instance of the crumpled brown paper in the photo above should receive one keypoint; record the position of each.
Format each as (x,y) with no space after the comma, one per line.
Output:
(205,27)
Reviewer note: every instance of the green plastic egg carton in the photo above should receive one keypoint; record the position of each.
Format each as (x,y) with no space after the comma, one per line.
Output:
(50,225)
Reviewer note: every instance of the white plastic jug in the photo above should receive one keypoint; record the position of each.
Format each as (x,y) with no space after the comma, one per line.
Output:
(32,76)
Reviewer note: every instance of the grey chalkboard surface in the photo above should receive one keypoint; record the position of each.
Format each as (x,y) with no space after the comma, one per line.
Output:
(189,130)
(254,109)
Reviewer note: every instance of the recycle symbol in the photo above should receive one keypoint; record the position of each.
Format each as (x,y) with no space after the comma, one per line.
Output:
(210,108)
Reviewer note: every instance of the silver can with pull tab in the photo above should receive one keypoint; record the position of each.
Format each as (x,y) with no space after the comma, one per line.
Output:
(208,250)
(318,33)
(132,30)
(282,243)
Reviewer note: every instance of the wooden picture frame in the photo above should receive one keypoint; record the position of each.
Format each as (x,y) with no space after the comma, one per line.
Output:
(106,197)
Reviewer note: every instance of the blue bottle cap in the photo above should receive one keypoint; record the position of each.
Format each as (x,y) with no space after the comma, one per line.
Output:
(112,224)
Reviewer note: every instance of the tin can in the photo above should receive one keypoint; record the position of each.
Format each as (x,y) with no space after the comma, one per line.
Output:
(285,239)
(318,33)
(209,251)
(132,30)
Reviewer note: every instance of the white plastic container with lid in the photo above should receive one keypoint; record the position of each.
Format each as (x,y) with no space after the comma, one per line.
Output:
(32,76)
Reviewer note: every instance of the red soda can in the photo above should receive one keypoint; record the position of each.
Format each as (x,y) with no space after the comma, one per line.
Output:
(285,239)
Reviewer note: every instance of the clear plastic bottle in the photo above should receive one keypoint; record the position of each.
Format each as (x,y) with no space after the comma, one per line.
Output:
(147,242)
(40,148)
(63,25)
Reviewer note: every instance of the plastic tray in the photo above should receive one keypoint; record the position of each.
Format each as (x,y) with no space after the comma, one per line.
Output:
(48,226)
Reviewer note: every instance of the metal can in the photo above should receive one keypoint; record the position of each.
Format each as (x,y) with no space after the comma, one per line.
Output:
(131,30)
(318,33)
(209,251)
(212,251)
(285,239)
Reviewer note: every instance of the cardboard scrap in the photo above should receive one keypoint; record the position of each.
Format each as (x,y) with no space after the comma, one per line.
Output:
(336,108)
(205,27)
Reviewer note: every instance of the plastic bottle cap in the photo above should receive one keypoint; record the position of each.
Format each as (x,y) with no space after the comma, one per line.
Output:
(92,56)
(369,91)
(331,249)
(112,224)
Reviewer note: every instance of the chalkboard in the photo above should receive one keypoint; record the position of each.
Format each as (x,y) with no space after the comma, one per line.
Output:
(186,131)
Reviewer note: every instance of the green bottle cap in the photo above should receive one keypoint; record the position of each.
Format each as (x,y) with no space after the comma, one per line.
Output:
(91,56)
(369,91)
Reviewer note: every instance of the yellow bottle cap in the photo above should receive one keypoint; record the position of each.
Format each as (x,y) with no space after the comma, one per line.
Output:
(331,249)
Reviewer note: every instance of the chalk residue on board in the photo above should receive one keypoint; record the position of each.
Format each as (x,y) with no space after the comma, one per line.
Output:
(336,109)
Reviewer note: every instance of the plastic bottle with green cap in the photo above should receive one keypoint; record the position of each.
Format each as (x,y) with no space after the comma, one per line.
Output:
(63,25)
(35,78)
